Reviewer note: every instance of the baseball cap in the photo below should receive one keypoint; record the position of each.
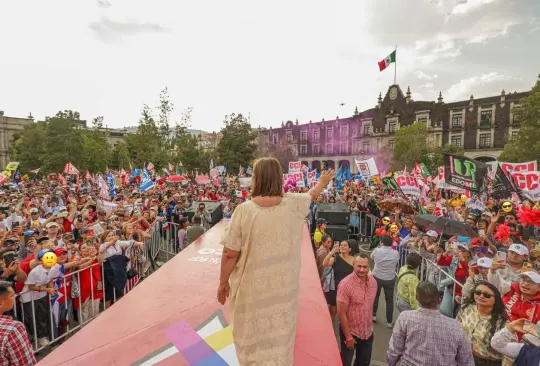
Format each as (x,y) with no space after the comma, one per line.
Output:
(51,224)
(62,208)
(519,249)
(42,253)
(484,262)
(34,210)
(321,221)
(432,233)
(42,239)
(60,251)
(533,276)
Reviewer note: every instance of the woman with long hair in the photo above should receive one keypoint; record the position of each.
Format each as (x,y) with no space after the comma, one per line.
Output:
(260,266)
(482,316)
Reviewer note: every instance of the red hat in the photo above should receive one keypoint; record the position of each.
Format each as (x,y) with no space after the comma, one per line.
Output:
(60,251)
(475,242)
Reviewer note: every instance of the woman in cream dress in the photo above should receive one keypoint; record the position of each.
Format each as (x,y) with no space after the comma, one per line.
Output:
(260,266)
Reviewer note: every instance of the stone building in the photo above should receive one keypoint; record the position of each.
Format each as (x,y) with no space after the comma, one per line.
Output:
(8,127)
(480,126)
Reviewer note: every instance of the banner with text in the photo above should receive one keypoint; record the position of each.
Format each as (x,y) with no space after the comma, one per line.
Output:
(501,187)
(295,166)
(528,183)
(465,173)
(529,166)
(408,184)
(366,168)
(297,177)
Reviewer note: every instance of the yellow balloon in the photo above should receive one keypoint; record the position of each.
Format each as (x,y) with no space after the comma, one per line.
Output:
(393,228)
(463,198)
(507,207)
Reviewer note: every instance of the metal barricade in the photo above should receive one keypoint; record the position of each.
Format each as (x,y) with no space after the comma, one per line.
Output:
(368,223)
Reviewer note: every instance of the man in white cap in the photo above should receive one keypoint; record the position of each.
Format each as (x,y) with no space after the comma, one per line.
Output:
(517,255)
(521,299)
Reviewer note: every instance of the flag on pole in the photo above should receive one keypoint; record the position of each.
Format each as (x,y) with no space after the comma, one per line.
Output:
(387,61)
(35,171)
(146,182)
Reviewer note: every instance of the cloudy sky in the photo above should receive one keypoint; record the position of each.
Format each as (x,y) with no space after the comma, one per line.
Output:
(275,60)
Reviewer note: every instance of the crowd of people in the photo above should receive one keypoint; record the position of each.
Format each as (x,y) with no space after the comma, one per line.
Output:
(67,253)
(466,298)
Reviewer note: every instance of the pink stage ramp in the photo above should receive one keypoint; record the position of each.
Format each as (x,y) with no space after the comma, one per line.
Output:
(173,318)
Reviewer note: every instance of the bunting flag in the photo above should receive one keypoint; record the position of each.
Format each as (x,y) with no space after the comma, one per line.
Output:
(103,187)
(35,171)
(60,178)
(146,182)
(70,169)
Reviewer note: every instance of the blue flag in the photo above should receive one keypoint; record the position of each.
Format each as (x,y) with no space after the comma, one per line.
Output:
(58,284)
(347,173)
(146,182)
(112,185)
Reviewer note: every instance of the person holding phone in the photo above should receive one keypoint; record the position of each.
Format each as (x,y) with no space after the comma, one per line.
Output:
(525,354)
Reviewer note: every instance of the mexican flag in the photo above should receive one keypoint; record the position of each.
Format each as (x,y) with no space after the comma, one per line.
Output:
(387,61)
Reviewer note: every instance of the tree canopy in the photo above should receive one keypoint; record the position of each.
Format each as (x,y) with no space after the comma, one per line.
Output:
(238,143)
(412,145)
(526,145)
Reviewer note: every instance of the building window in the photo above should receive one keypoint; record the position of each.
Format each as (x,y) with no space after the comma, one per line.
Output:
(329,133)
(315,149)
(303,150)
(391,144)
(303,136)
(315,135)
(455,140)
(329,149)
(485,140)
(366,147)
(485,117)
(392,127)
(289,137)
(267,138)
(343,148)
(275,138)
(343,131)
(514,134)
(423,120)
(367,130)
(457,120)
(515,119)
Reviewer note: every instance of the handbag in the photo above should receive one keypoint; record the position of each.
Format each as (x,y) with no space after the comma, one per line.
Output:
(327,278)
(131,273)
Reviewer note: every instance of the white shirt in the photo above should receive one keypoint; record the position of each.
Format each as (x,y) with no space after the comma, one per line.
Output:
(115,249)
(386,260)
(39,276)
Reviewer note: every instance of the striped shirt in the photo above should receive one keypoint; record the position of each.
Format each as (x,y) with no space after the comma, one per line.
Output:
(359,295)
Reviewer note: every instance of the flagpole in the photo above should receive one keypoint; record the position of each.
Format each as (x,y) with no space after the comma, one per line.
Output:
(395,67)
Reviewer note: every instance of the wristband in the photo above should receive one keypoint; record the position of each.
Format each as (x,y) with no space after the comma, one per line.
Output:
(349,339)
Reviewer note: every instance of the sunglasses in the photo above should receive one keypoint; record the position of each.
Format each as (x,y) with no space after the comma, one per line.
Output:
(486,295)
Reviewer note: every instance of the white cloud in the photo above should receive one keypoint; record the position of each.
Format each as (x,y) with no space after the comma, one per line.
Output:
(423,76)
(483,85)
(465,6)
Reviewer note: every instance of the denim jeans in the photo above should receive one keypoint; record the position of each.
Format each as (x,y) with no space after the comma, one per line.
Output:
(388,286)
(362,347)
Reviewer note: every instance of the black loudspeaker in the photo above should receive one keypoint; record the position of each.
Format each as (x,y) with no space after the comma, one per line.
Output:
(337,232)
(215,209)
(334,213)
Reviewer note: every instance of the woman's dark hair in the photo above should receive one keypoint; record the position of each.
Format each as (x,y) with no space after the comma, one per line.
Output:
(413,260)
(324,238)
(353,244)
(498,314)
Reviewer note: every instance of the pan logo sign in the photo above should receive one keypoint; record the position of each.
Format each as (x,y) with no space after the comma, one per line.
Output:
(363,168)
(210,343)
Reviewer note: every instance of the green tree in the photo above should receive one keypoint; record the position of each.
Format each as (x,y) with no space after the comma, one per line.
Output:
(145,145)
(284,154)
(119,157)
(237,144)
(412,146)
(526,145)
(28,147)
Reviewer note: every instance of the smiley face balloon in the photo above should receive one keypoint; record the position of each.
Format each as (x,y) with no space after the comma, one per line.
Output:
(507,207)
(393,228)
(463,198)
(385,220)
(49,259)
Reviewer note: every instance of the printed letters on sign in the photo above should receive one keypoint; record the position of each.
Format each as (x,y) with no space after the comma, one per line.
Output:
(528,181)
(518,167)
(294,166)
(406,181)
(364,168)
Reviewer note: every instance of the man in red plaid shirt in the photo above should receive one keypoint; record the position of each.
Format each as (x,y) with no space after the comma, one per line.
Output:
(15,348)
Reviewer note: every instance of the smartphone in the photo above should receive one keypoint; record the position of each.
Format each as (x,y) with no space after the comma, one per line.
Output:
(118,232)
(526,267)
(9,258)
(501,256)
